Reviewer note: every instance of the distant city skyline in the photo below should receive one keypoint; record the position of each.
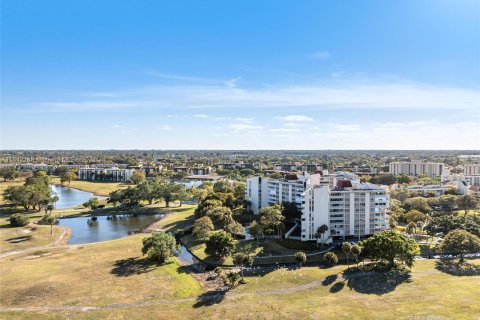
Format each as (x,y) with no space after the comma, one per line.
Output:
(247,75)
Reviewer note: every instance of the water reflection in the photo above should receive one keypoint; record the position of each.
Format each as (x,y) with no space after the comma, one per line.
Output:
(85,230)
(69,197)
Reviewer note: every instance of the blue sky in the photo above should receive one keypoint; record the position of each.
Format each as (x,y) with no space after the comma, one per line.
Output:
(240,74)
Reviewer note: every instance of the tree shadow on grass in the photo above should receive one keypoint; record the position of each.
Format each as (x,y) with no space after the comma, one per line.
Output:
(19,239)
(329,280)
(337,287)
(377,283)
(132,266)
(456,268)
(209,298)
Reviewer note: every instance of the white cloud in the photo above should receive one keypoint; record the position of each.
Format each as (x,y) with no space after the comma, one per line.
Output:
(248,120)
(284,130)
(203,116)
(166,127)
(172,116)
(232,83)
(292,124)
(344,93)
(295,118)
(320,55)
(345,127)
(243,126)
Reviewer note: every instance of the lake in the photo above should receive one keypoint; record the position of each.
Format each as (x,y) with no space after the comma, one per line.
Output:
(85,230)
(69,197)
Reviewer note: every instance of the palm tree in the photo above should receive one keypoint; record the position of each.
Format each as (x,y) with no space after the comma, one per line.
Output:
(321,231)
(356,250)
(347,249)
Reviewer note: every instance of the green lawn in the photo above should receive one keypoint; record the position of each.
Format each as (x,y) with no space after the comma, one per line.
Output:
(98,188)
(177,218)
(26,237)
(91,277)
(102,273)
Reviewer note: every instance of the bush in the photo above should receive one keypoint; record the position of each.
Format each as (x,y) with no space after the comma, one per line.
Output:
(330,258)
(47,219)
(18,220)
(218,271)
(301,258)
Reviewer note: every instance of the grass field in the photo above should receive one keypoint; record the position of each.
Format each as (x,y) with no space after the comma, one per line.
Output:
(26,237)
(112,273)
(96,187)
(103,273)
(177,218)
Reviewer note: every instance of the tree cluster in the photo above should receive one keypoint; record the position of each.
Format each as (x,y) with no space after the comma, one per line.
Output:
(34,194)
(149,190)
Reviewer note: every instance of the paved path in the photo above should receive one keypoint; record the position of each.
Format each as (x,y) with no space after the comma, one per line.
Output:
(48,246)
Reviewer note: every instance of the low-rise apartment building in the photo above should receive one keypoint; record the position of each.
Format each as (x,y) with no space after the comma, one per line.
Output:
(105,174)
(417,168)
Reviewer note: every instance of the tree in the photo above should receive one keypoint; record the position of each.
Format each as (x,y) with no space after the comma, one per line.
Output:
(92,203)
(330,258)
(444,224)
(247,172)
(417,203)
(301,258)
(347,249)
(34,193)
(392,223)
(18,220)
(448,201)
(256,230)
(199,194)
(50,220)
(414,216)
(8,173)
(290,211)
(220,216)
(321,231)
(68,177)
(220,244)
(411,228)
(467,202)
(137,177)
(271,219)
(172,192)
(242,260)
(202,228)
(389,246)
(460,242)
(159,247)
(404,179)
(356,251)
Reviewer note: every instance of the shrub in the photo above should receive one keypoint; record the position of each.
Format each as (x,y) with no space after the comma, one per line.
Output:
(301,258)
(47,219)
(218,271)
(18,220)
(330,258)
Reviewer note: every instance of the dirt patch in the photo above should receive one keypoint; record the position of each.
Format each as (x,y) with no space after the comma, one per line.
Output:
(44,291)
